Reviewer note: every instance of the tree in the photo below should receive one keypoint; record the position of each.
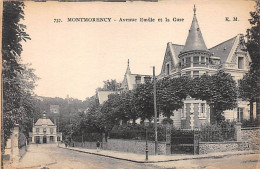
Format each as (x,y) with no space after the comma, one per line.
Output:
(219,91)
(128,106)
(171,93)
(18,79)
(249,86)
(143,100)
(111,85)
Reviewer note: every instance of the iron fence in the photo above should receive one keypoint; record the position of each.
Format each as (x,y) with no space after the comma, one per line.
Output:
(217,134)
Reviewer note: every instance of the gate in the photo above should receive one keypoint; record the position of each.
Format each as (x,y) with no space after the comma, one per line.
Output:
(185,142)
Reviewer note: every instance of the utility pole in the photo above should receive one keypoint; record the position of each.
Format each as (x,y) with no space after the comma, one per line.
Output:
(1,95)
(155,111)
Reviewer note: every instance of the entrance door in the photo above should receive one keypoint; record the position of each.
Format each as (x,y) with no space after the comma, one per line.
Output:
(44,139)
(37,139)
(51,139)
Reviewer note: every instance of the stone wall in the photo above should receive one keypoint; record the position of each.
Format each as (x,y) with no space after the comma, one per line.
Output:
(88,145)
(211,147)
(134,146)
(252,136)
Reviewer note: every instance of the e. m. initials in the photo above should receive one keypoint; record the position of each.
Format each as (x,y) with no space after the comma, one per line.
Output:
(231,19)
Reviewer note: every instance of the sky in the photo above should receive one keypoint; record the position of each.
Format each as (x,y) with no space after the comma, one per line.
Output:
(74,58)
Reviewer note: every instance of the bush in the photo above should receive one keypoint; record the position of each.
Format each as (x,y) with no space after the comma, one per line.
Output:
(247,123)
(167,121)
(137,132)
(87,137)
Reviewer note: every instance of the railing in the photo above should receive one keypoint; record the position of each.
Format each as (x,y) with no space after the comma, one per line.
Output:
(217,135)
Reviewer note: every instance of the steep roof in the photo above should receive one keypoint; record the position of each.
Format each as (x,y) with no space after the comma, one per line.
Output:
(177,49)
(223,49)
(44,121)
(128,71)
(194,40)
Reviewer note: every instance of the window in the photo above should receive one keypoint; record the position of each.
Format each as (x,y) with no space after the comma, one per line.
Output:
(37,130)
(202,60)
(182,62)
(51,130)
(168,69)
(240,114)
(196,59)
(207,62)
(58,138)
(202,108)
(138,79)
(51,138)
(188,73)
(44,130)
(196,74)
(240,62)
(188,61)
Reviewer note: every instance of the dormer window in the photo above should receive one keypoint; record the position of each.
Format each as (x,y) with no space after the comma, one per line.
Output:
(240,62)
(138,79)
(168,69)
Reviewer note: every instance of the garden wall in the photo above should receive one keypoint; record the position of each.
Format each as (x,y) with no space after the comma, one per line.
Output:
(135,146)
(122,145)
(88,145)
(252,136)
(211,147)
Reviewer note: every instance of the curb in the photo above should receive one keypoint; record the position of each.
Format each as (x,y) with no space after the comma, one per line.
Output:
(177,159)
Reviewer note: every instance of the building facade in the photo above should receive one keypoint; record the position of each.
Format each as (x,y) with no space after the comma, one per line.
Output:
(195,59)
(44,131)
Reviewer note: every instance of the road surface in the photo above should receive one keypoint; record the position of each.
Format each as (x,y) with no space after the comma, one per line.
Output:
(50,156)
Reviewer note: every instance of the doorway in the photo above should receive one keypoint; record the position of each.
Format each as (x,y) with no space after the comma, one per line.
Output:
(44,139)
(37,139)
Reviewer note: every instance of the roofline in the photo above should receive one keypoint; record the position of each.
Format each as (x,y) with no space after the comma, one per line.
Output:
(177,44)
(140,74)
(223,42)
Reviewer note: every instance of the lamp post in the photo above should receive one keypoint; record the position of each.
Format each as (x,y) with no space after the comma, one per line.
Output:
(146,124)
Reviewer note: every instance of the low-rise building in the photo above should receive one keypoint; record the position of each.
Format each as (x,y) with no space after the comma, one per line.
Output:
(45,131)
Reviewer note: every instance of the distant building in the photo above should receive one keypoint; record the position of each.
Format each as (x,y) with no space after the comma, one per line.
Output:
(129,82)
(44,131)
(54,109)
(103,95)
(132,80)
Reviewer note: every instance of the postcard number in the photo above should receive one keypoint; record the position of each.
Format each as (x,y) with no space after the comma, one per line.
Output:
(57,21)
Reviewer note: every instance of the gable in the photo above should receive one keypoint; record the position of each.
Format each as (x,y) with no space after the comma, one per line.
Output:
(171,56)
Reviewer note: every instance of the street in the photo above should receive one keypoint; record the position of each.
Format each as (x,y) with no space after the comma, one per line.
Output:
(229,162)
(50,156)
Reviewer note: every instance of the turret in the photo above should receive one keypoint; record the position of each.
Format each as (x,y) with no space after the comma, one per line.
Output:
(195,52)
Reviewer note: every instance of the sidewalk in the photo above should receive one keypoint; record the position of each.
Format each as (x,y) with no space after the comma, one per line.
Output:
(140,158)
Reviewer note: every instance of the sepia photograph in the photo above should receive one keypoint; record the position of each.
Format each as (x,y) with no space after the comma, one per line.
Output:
(125,84)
